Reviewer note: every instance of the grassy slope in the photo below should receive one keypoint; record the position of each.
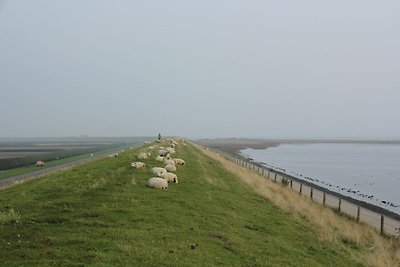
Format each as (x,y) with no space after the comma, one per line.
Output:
(102,214)
(53,163)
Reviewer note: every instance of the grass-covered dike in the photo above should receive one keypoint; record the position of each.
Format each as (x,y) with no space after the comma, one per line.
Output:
(101,214)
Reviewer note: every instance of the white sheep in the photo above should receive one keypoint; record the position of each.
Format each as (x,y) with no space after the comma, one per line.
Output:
(169,161)
(159,158)
(138,165)
(170,150)
(179,162)
(170,168)
(168,156)
(158,170)
(162,152)
(143,155)
(169,176)
(157,182)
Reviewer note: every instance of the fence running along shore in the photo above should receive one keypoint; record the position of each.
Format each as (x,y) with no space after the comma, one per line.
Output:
(385,221)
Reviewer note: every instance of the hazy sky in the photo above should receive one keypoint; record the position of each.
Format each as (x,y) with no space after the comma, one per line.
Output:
(200,68)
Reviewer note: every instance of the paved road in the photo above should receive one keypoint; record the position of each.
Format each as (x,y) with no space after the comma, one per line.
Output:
(32,175)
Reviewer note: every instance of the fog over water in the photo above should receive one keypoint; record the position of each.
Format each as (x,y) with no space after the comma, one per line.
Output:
(207,68)
(363,169)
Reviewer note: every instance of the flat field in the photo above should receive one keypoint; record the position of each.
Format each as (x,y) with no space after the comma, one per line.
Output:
(18,156)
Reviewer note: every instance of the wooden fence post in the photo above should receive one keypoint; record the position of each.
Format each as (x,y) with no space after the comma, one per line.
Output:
(340,205)
(301,188)
(291,183)
(311,193)
(324,198)
(358,213)
(275,177)
(382,224)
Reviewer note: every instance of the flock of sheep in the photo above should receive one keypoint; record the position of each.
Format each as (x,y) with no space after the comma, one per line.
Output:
(161,175)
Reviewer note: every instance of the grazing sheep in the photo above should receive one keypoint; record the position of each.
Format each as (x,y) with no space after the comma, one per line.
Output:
(138,165)
(170,168)
(158,170)
(39,163)
(147,143)
(179,162)
(114,155)
(161,148)
(162,152)
(170,177)
(168,156)
(156,182)
(169,161)
(159,158)
(143,155)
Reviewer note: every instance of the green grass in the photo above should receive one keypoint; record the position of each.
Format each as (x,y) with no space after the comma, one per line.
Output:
(101,214)
(53,163)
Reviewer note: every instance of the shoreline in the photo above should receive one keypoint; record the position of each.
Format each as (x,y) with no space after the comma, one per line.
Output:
(235,146)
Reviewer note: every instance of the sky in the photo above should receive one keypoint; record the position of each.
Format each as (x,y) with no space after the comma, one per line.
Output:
(198,69)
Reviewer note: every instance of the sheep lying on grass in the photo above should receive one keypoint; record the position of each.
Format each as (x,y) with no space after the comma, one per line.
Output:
(156,182)
(143,155)
(179,162)
(170,177)
(138,165)
(170,168)
(158,170)
(170,150)
(169,161)
(159,158)
(162,152)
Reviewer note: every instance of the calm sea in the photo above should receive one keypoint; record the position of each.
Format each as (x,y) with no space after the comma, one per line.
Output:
(369,172)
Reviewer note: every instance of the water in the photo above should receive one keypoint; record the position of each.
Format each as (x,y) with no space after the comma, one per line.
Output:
(368,172)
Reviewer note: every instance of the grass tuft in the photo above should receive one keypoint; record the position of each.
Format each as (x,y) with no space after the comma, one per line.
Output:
(10,217)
